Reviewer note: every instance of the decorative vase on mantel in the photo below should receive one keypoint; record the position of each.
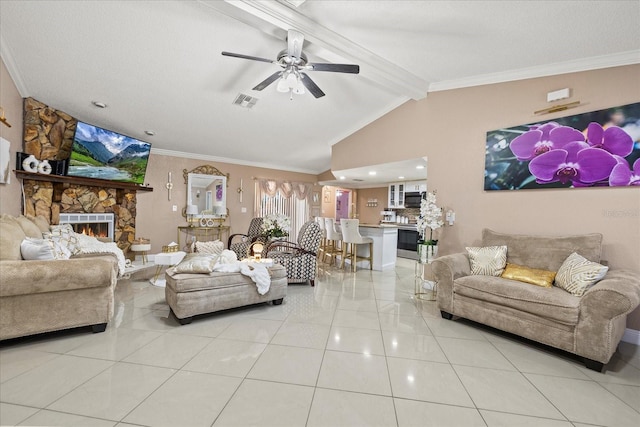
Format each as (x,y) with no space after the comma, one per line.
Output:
(427,251)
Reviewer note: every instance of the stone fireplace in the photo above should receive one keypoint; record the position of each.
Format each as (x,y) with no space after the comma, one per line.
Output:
(48,134)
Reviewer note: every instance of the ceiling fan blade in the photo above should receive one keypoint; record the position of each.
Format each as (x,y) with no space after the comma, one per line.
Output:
(311,86)
(295,40)
(266,82)
(252,58)
(335,68)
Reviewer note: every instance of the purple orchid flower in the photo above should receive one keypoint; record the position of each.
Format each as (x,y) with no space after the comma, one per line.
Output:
(576,162)
(542,139)
(621,175)
(613,139)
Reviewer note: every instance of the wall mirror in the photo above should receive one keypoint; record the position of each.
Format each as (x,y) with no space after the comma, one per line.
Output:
(207,190)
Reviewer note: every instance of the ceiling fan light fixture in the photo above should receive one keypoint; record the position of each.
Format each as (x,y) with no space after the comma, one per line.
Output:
(282,86)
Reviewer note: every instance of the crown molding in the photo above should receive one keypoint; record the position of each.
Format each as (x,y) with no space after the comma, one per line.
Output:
(183,154)
(391,76)
(12,68)
(573,66)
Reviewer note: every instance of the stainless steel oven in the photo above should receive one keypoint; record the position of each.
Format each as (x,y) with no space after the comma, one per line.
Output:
(408,241)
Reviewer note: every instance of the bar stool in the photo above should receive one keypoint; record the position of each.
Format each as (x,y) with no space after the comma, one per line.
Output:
(323,242)
(351,238)
(334,239)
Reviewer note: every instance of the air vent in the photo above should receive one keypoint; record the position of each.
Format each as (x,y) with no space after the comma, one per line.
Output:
(358,179)
(245,101)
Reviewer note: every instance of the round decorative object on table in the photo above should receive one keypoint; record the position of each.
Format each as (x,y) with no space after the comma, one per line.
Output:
(143,246)
(44,167)
(30,164)
(203,222)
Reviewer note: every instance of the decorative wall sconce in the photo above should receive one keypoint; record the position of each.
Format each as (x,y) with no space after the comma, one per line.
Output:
(240,190)
(3,119)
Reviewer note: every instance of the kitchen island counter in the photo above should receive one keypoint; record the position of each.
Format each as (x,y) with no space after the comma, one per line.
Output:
(385,246)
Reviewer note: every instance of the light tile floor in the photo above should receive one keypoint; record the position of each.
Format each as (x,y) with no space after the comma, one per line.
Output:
(356,350)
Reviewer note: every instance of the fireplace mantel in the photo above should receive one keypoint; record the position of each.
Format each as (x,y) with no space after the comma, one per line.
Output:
(89,182)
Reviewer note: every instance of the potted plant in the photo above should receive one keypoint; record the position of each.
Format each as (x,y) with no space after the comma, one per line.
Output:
(431,218)
(276,226)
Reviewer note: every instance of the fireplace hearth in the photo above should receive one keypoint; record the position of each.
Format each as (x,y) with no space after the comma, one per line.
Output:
(91,224)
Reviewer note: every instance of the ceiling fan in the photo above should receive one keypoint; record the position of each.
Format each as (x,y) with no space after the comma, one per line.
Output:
(293,78)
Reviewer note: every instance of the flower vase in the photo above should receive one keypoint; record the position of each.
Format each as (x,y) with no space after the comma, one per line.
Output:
(427,253)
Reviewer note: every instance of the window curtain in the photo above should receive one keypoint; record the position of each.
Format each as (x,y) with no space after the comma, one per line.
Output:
(286,198)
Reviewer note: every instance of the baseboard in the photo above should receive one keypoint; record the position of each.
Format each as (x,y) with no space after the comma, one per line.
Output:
(631,336)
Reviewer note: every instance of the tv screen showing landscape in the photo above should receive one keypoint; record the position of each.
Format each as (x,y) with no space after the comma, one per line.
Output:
(104,154)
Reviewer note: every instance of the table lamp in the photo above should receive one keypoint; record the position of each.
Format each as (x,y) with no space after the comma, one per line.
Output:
(191,211)
(257,248)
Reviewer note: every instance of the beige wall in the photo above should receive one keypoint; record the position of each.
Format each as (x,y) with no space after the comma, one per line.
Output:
(449,127)
(11,102)
(155,218)
(371,214)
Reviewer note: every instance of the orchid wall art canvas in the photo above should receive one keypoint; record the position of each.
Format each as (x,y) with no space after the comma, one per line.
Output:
(596,149)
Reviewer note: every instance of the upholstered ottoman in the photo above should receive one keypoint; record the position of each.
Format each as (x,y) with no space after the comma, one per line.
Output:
(191,294)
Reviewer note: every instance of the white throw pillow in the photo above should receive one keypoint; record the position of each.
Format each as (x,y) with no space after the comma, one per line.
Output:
(215,248)
(64,235)
(42,249)
(488,260)
(577,274)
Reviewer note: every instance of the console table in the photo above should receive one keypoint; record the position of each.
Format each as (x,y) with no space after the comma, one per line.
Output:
(203,233)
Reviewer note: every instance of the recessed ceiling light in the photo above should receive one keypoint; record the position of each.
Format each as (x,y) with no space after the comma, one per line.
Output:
(342,177)
(372,172)
(401,177)
(99,104)
(419,167)
(149,132)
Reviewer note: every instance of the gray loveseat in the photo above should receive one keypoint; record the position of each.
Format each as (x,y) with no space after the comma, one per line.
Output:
(590,326)
(44,296)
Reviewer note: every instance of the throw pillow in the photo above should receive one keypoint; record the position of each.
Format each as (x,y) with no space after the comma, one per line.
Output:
(488,260)
(577,274)
(533,276)
(196,263)
(11,234)
(42,249)
(41,222)
(214,248)
(64,235)
(29,227)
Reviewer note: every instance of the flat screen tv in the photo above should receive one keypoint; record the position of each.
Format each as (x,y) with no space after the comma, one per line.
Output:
(104,154)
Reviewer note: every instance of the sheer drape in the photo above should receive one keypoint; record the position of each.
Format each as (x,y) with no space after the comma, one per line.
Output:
(283,197)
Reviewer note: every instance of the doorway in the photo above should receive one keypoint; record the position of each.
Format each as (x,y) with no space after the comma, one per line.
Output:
(343,202)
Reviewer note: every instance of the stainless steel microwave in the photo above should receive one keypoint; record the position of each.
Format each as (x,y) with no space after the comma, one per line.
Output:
(412,199)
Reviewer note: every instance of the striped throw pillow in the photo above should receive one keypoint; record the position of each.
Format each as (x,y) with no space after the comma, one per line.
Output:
(577,274)
(488,260)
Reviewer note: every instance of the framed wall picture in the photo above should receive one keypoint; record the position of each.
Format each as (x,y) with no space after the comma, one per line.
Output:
(315,198)
(595,149)
(5,161)
(327,196)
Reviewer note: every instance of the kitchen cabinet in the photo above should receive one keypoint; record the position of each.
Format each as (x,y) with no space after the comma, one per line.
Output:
(416,186)
(396,195)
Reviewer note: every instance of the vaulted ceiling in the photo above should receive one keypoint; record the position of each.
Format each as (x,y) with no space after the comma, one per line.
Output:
(157,65)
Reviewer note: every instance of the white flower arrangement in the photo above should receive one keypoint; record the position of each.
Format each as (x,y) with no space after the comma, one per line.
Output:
(276,225)
(430,217)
